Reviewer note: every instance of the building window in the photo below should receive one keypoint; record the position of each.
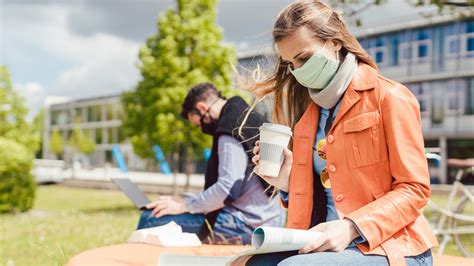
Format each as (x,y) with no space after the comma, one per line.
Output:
(378,51)
(405,52)
(470,43)
(467,38)
(423,95)
(110,112)
(93,113)
(453,44)
(418,49)
(454,97)
(394,41)
(98,135)
(469,100)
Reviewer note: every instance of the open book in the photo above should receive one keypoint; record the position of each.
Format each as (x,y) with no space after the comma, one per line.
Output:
(168,235)
(264,240)
(274,239)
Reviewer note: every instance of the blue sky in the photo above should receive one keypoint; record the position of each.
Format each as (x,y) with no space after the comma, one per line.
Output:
(85,48)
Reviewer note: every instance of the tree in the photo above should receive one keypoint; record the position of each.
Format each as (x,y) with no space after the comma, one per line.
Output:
(351,8)
(37,126)
(185,51)
(80,141)
(56,143)
(12,115)
(17,185)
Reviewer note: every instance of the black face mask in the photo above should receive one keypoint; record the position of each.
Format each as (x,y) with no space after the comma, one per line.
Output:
(211,127)
(208,128)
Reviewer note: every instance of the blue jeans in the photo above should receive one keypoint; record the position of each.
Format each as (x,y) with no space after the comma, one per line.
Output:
(350,256)
(227,229)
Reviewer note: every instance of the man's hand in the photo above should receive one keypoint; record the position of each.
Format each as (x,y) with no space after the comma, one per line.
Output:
(337,235)
(166,205)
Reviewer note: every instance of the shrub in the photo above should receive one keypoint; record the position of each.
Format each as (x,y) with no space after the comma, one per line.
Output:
(17,186)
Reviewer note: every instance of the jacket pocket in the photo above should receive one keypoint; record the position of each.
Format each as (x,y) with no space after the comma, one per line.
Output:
(363,139)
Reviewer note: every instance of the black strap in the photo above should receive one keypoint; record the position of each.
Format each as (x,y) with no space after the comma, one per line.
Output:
(330,121)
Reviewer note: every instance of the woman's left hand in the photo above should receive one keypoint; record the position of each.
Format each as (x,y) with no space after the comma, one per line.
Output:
(337,235)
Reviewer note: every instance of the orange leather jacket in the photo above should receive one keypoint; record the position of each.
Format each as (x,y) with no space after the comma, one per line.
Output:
(377,167)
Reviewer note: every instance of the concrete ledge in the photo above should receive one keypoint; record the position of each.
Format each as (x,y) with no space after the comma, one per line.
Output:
(145,187)
(451,260)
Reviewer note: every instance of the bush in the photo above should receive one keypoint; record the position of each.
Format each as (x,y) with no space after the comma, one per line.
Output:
(17,186)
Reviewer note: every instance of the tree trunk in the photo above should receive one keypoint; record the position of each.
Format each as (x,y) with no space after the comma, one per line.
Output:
(189,167)
(175,172)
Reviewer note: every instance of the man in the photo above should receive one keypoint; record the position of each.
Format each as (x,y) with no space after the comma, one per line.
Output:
(234,201)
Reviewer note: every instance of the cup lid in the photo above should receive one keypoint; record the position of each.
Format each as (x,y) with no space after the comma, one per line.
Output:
(276,128)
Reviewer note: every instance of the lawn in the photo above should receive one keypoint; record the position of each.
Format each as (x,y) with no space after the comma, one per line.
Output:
(66,221)
(63,222)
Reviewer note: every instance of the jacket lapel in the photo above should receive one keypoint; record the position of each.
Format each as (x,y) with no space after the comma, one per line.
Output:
(364,79)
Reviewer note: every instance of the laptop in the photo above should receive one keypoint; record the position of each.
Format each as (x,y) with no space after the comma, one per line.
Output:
(132,191)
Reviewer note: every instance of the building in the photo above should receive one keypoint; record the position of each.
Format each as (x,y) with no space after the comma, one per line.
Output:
(435,60)
(434,57)
(101,118)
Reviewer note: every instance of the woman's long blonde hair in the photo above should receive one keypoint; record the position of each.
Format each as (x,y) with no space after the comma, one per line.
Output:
(290,98)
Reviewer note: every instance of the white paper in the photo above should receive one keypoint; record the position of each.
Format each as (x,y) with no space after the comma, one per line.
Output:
(168,235)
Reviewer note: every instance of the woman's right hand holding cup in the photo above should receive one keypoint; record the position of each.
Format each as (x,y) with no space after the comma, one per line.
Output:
(282,181)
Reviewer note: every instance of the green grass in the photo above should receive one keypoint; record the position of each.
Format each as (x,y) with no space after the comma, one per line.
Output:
(66,221)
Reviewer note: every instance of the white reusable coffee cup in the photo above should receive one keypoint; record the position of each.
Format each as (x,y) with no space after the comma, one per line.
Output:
(274,139)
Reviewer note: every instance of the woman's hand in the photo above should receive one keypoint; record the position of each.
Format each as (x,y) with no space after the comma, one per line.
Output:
(337,235)
(166,205)
(282,181)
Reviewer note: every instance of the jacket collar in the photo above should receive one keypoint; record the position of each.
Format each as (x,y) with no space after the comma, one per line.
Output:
(365,79)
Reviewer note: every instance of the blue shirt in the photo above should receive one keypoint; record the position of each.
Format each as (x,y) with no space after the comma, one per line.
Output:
(318,166)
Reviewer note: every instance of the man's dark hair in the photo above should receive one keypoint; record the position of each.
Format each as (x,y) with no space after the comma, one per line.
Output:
(202,92)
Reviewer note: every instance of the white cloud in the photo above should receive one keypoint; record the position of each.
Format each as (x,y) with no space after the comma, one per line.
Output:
(99,64)
(104,65)
(33,93)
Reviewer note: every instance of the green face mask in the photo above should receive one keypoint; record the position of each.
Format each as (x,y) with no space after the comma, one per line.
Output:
(317,72)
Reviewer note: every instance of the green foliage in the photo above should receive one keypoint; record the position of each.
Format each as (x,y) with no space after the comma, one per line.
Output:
(12,115)
(456,8)
(17,186)
(81,141)
(37,126)
(186,50)
(56,143)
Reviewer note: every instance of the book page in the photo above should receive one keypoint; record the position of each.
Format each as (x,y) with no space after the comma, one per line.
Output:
(275,239)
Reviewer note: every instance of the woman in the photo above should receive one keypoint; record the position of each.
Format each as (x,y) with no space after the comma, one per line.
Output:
(357,170)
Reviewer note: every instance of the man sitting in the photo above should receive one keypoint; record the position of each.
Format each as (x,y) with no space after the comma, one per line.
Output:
(234,201)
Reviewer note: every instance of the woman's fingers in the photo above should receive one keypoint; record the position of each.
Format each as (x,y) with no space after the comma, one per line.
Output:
(288,156)
(255,159)
(319,242)
(256,150)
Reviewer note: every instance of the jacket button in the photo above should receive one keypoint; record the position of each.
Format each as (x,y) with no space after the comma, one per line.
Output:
(330,138)
(339,197)
(332,168)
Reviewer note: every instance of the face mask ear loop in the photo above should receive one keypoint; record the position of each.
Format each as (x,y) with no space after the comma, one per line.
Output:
(322,48)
